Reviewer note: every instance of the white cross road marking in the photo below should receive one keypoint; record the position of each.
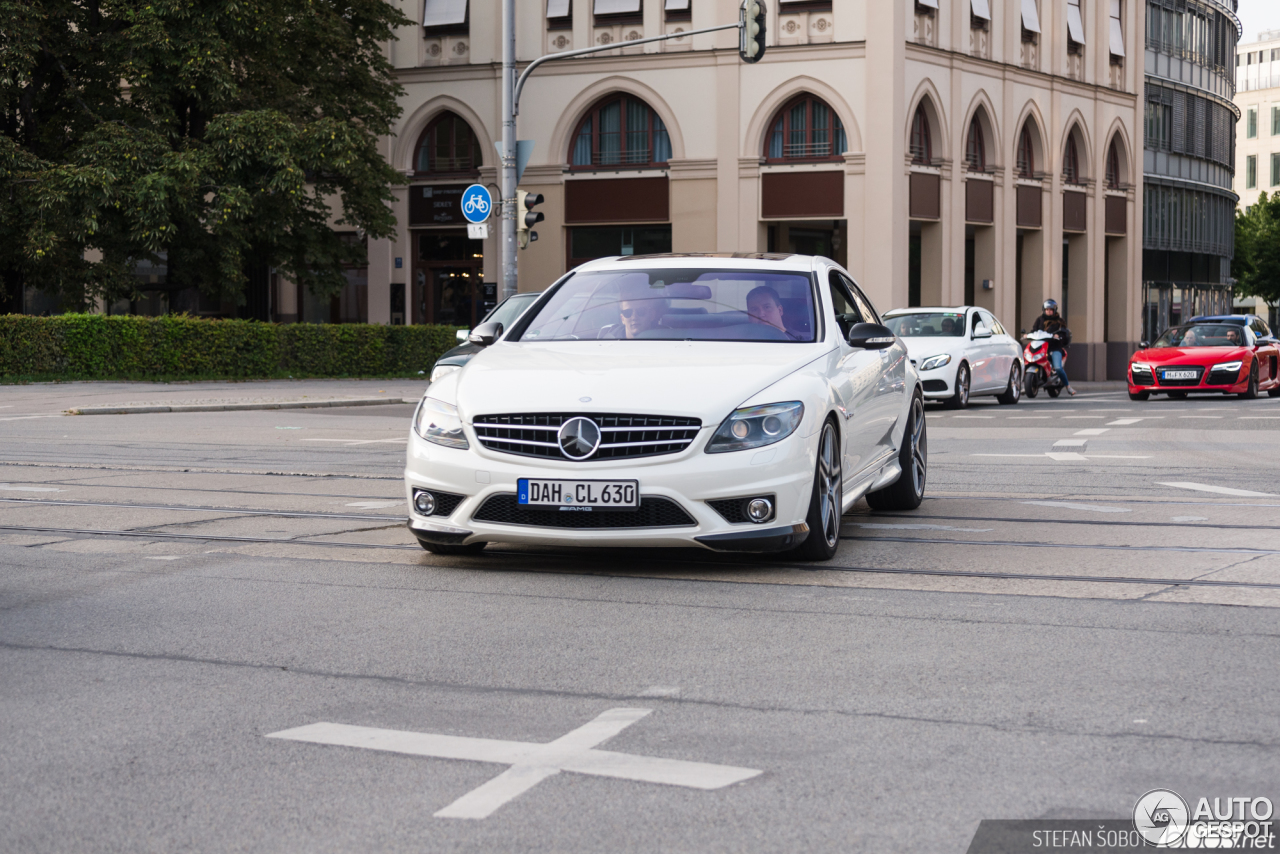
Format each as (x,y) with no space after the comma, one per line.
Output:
(1065,456)
(1221,490)
(1125,422)
(1091,431)
(1095,508)
(9,487)
(530,762)
(357,441)
(1071,443)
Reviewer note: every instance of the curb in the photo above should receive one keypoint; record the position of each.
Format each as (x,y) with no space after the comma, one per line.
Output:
(237,407)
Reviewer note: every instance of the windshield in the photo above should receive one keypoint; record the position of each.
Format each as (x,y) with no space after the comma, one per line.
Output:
(1202,335)
(511,309)
(942,324)
(678,304)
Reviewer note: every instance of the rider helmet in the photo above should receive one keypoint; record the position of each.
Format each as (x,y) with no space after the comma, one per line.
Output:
(1051,304)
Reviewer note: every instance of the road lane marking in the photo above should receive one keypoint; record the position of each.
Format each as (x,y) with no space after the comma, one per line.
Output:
(1221,490)
(660,691)
(1071,443)
(974,416)
(9,487)
(1070,456)
(1095,508)
(1201,416)
(922,528)
(1125,422)
(1029,417)
(28,417)
(375,505)
(1065,456)
(1263,417)
(357,441)
(530,762)
(1077,417)
(1091,431)
(1190,519)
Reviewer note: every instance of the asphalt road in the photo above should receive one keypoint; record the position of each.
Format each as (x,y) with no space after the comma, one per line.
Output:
(1084,609)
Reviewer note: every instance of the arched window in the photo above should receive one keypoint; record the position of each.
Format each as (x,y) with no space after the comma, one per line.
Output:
(448,146)
(1071,162)
(805,129)
(1113,166)
(975,149)
(1026,154)
(620,130)
(921,139)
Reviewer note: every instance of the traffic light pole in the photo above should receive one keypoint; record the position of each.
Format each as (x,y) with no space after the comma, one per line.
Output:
(511,88)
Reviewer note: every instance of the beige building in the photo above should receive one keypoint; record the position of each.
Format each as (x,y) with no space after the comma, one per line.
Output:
(1258,135)
(946,151)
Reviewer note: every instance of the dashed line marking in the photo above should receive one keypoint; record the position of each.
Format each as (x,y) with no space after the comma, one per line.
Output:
(1220,490)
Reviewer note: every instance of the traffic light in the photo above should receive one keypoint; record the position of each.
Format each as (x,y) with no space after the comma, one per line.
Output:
(527,217)
(751,36)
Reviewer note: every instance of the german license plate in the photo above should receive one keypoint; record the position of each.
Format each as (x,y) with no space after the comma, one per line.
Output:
(578,494)
(1178,375)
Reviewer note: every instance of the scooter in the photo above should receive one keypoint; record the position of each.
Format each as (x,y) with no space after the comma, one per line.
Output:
(1038,372)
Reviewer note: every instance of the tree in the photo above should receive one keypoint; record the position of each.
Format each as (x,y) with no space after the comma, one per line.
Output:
(226,134)
(1256,266)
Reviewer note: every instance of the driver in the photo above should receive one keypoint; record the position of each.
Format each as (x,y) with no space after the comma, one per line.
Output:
(640,315)
(1189,340)
(764,306)
(948,326)
(1050,321)
(1233,338)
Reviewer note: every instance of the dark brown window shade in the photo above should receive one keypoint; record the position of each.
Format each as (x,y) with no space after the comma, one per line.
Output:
(926,195)
(616,200)
(1117,215)
(802,194)
(979,201)
(1029,215)
(1073,208)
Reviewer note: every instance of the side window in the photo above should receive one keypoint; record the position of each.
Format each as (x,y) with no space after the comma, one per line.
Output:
(991,323)
(973,324)
(1260,327)
(869,312)
(846,310)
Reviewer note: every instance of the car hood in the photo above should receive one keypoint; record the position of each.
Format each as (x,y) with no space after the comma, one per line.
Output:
(1190,355)
(704,380)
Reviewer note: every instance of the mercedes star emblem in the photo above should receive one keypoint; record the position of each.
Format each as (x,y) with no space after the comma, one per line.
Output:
(579,437)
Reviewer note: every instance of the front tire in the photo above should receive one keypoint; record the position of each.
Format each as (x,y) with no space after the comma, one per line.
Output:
(1251,393)
(1029,385)
(960,399)
(1013,391)
(907,491)
(452,549)
(825,501)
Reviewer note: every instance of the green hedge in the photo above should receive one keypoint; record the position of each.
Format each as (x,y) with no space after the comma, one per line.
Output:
(94,347)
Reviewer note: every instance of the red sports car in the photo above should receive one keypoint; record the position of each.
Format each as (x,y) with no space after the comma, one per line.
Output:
(1225,358)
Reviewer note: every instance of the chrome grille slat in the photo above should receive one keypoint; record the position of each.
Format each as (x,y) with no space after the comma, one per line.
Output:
(622,436)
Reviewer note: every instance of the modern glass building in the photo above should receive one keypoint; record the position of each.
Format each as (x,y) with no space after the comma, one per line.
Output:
(1188,160)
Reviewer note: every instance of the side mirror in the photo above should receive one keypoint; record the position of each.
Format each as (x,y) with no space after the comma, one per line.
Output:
(1142,345)
(871,336)
(981,331)
(462,334)
(486,333)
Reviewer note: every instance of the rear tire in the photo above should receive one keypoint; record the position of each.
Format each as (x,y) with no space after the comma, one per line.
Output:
(960,399)
(907,491)
(1013,391)
(1054,392)
(1251,393)
(1139,395)
(825,501)
(452,549)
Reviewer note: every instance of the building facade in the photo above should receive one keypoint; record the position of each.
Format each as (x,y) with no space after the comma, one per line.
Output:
(1189,160)
(945,151)
(1258,100)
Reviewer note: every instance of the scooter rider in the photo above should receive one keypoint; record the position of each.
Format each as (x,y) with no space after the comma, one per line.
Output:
(1050,321)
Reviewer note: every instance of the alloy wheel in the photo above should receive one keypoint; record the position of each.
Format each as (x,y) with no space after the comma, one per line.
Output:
(919,447)
(963,382)
(829,487)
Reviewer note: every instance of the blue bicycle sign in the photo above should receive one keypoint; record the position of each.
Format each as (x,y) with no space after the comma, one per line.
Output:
(476,203)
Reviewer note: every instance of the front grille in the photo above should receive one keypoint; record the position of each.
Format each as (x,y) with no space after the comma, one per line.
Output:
(654,512)
(734,510)
(1223,377)
(534,434)
(1175,383)
(446,502)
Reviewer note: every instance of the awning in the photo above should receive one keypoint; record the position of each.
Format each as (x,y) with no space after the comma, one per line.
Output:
(981,9)
(444,13)
(1117,33)
(558,8)
(932,4)
(617,7)
(1030,16)
(1075,26)
(677,6)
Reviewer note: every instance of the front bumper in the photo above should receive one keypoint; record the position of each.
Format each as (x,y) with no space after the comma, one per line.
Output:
(1208,383)
(688,479)
(939,383)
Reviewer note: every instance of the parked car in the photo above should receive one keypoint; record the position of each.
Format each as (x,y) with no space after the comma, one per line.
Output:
(733,403)
(506,312)
(1222,354)
(960,352)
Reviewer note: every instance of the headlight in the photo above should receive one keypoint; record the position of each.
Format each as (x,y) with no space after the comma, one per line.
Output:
(755,426)
(438,422)
(1228,366)
(1141,368)
(443,371)
(935,362)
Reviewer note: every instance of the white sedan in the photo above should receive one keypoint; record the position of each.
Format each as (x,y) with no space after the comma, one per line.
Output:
(735,403)
(960,352)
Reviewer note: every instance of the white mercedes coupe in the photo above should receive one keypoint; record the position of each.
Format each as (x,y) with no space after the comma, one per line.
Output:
(961,353)
(739,403)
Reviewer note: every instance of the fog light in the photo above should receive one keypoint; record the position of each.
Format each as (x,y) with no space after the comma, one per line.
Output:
(425,502)
(759,510)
